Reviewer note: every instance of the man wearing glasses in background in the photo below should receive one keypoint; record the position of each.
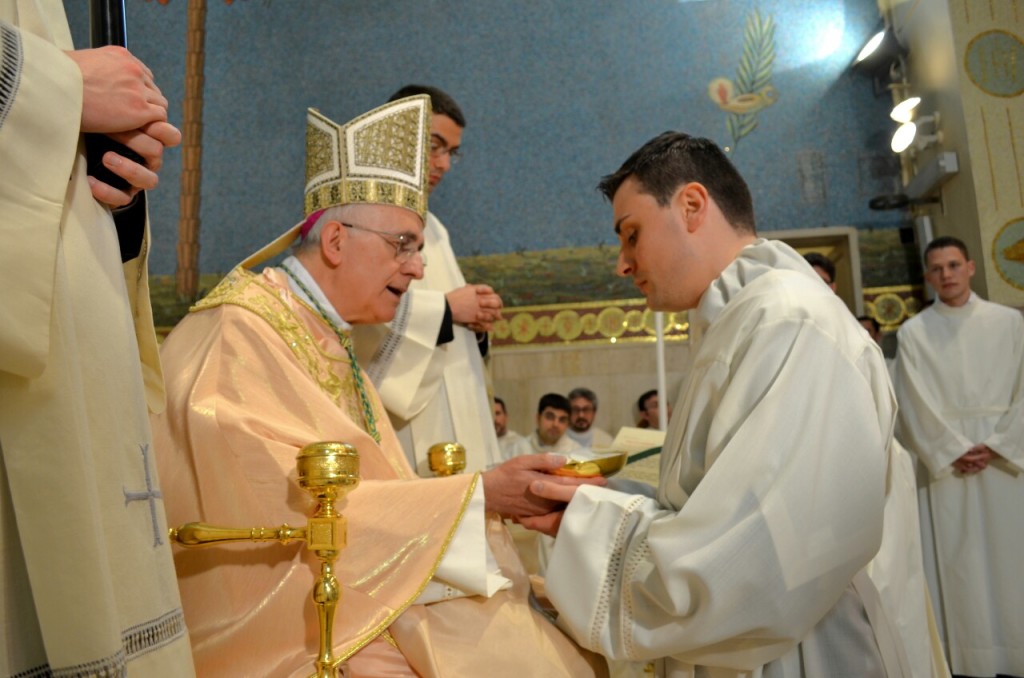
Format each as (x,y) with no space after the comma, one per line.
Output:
(427,363)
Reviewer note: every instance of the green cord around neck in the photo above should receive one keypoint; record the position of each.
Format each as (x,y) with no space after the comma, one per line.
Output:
(369,420)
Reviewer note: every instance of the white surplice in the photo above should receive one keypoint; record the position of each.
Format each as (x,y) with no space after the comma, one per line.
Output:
(532,444)
(432,393)
(897,571)
(960,381)
(772,485)
(593,438)
(87,585)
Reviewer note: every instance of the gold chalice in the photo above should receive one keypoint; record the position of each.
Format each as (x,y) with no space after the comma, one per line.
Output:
(446,459)
(327,471)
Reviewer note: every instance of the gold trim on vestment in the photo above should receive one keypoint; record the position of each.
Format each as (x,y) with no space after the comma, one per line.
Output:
(237,289)
(383,626)
(244,288)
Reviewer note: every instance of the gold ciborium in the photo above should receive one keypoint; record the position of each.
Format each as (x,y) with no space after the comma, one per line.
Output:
(446,459)
(327,471)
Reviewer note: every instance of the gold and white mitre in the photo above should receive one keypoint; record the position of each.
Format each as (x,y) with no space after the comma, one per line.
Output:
(378,158)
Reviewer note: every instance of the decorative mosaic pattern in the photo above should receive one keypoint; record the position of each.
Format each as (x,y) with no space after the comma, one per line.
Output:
(599,322)
(630,321)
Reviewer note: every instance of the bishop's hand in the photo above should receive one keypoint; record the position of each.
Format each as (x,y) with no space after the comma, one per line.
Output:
(508,487)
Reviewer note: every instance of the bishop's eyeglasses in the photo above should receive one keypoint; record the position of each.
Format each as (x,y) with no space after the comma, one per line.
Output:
(405,247)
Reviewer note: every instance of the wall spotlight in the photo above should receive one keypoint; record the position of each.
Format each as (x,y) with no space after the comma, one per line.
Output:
(903,137)
(904,111)
(870,47)
(878,54)
(906,135)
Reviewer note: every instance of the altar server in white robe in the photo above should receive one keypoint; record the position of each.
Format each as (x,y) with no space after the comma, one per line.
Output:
(749,560)
(87,586)
(427,363)
(960,385)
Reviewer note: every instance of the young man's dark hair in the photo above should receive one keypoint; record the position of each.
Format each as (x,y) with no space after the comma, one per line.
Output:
(555,401)
(641,404)
(502,403)
(440,101)
(944,241)
(672,159)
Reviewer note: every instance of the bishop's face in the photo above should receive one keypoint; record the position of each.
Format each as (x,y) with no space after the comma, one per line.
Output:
(949,273)
(376,266)
(657,250)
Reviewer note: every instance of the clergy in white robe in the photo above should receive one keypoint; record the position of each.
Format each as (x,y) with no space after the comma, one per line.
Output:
(87,585)
(749,561)
(960,384)
(434,393)
(427,363)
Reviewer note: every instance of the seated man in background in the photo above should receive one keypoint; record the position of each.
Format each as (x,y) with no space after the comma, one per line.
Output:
(263,366)
(582,410)
(507,438)
(549,436)
(649,408)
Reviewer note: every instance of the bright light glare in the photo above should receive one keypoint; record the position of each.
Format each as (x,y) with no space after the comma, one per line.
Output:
(869,48)
(903,137)
(904,110)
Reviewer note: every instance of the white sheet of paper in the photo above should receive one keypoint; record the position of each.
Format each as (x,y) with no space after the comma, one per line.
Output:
(631,439)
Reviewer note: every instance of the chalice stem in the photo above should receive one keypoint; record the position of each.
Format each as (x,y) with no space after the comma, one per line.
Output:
(326,595)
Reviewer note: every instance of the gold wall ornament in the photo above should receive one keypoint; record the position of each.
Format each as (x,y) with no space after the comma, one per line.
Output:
(327,471)
(446,459)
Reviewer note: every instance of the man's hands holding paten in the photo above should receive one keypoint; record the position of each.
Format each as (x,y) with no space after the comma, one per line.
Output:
(511,489)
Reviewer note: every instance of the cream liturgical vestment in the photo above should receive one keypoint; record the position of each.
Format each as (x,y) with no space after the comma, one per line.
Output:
(960,382)
(433,393)
(254,375)
(86,580)
(770,501)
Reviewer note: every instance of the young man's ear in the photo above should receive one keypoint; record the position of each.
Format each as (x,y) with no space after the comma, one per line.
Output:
(692,202)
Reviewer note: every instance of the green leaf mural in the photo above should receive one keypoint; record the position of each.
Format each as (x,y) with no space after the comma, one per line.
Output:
(752,90)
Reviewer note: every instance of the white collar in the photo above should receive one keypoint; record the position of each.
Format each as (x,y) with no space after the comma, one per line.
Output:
(319,298)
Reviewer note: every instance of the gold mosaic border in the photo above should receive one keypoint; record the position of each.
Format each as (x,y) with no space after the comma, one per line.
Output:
(583,323)
(892,306)
(627,321)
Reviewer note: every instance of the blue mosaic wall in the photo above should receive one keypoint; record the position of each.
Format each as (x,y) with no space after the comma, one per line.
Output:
(556,93)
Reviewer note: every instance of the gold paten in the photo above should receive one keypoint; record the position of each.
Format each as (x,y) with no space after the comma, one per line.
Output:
(446,459)
(599,466)
(327,471)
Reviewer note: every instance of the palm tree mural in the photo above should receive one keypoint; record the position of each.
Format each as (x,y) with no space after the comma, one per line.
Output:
(187,272)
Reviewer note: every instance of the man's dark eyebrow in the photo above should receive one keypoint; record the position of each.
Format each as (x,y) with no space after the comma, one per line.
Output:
(443,141)
(618,224)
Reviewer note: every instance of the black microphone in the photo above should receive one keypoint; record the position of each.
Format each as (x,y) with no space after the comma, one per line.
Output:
(108,27)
